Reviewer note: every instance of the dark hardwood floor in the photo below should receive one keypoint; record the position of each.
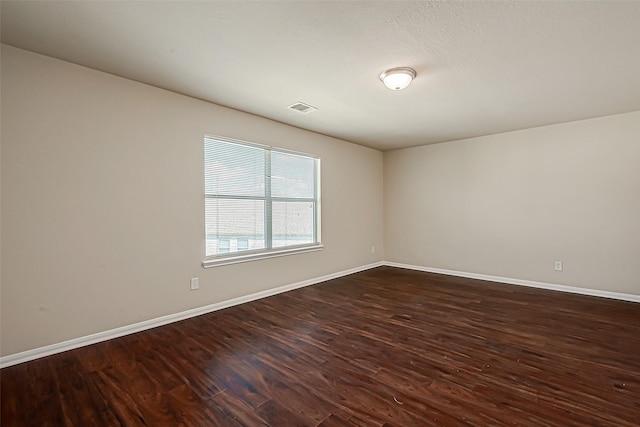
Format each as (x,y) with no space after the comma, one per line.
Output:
(385,347)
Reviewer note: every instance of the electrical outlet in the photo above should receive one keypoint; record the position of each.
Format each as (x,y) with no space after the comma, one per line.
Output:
(557,266)
(195,283)
(373,249)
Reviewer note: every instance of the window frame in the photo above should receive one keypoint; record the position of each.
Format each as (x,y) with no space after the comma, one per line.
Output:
(269,251)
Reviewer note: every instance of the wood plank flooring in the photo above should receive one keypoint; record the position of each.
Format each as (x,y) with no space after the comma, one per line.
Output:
(385,347)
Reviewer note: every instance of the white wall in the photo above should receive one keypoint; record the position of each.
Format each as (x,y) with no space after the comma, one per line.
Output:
(510,205)
(103,211)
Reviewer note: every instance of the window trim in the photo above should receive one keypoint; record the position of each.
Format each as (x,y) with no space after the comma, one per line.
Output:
(216,261)
(269,251)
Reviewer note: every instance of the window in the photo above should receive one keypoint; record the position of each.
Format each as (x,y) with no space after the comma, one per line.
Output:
(259,201)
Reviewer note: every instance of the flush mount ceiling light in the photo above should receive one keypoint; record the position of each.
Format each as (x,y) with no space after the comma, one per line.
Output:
(398,78)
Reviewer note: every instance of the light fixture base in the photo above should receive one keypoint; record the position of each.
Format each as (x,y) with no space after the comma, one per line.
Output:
(398,78)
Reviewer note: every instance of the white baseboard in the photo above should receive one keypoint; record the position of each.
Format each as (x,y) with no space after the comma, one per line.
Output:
(508,280)
(25,356)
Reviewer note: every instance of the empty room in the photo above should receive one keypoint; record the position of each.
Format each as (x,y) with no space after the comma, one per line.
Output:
(320,213)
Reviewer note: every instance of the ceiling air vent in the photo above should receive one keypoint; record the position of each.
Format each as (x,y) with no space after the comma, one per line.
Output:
(301,107)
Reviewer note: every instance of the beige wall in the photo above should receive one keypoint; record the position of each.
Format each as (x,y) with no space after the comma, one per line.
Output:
(102,209)
(102,202)
(511,204)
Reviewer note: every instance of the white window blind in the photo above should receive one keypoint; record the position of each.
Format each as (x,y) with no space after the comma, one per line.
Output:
(258,199)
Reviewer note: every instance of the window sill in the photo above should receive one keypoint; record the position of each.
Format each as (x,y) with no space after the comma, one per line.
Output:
(216,262)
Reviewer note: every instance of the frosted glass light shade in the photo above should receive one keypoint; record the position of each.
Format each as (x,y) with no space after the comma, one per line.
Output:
(397,78)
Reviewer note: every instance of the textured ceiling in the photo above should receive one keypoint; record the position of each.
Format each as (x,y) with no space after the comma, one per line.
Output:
(483,67)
